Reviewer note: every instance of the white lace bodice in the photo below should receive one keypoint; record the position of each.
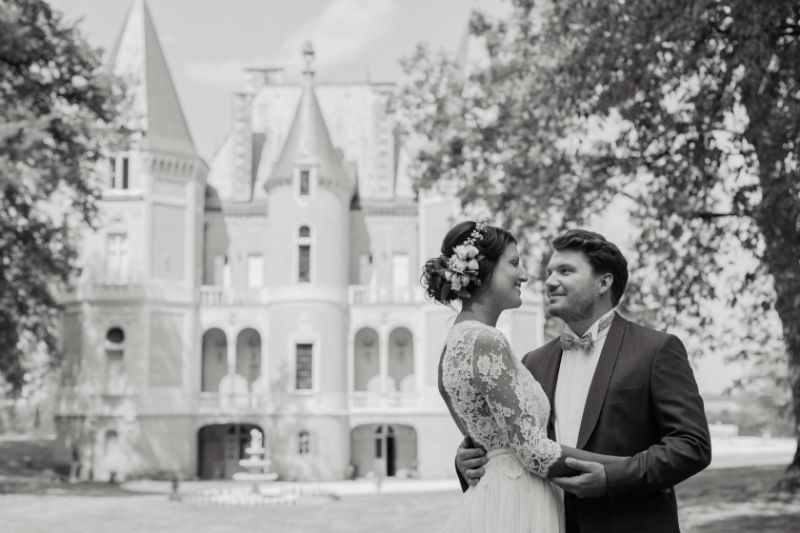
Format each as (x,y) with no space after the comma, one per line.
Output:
(494,398)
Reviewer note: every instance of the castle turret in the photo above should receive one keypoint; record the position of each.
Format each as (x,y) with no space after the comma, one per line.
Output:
(133,314)
(309,195)
(309,186)
(160,174)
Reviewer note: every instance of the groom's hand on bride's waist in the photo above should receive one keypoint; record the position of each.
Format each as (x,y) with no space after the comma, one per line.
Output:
(591,481)
(470,459)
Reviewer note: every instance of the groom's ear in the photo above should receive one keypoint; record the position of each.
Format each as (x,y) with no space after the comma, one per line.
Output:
(606,280)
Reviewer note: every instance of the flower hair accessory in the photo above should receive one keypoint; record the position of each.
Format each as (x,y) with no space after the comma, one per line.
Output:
(462,264)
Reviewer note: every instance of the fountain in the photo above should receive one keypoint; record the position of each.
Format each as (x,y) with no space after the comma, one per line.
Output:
(257,472)
(257,466)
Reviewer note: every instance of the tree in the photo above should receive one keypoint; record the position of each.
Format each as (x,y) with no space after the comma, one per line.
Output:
(59,117)
(685,114)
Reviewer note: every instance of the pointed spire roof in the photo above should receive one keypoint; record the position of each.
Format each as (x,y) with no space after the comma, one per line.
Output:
(138,59)
(308,141)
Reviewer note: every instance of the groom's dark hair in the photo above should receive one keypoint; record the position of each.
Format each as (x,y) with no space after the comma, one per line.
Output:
(603,255)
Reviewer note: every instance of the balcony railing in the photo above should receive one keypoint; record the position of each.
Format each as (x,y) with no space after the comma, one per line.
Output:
(231,402)
(102,291)
(372,401)
(280,400)
(214,402)
(126,292)
(357,401)
(97,404)
(213,295)
(369,295)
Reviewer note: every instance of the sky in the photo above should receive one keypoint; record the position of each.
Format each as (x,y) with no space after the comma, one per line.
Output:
(208,42)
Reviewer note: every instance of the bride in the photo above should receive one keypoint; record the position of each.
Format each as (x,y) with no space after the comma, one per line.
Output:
(491,396)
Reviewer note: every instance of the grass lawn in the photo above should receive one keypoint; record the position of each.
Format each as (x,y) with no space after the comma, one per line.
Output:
(715,501)
(734,500)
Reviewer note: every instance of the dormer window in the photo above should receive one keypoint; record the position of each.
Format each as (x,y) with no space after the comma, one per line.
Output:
(305,182)
(304,185)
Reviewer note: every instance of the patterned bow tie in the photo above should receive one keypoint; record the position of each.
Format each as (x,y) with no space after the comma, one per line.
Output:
(571,342)
(585,343)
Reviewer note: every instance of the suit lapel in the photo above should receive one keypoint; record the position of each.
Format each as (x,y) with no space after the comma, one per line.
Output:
(549,372)
(601,379)
(547,376)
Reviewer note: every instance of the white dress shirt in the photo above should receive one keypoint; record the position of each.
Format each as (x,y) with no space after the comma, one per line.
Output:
(572,387)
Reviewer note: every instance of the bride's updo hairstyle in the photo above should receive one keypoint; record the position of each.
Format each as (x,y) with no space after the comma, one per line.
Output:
(470,252)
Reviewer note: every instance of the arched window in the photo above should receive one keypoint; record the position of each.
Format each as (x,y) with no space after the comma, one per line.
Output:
(381,441)
(248,355)
(214,364)
(115,364)
(112,460)
(401,359)
(304,255)
(304,443)
(111,439)
(366,355)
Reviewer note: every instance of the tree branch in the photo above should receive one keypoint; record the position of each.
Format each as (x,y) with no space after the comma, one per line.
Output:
(710,215)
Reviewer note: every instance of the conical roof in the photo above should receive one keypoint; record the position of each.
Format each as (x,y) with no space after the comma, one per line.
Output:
(308,141)
(156,111)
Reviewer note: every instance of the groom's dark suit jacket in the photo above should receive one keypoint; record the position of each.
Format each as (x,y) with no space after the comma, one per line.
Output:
(643,402)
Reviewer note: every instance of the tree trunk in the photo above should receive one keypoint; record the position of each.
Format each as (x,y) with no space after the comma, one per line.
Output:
(776,218)
(790,482)
(788,306)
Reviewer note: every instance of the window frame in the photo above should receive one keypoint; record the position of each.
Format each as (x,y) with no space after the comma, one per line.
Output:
(114,357)
(121,172)
(304,242)
(296,376)
(250,270)
(297,179)
(304,443)
(122,254)
(406,271)
(304,336)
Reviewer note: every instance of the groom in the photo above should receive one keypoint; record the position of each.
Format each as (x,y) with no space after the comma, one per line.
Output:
(615,388)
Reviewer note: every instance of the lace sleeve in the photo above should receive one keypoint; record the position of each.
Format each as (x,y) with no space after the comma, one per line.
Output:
(514,406)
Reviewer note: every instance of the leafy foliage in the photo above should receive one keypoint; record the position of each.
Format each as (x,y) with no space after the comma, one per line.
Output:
(684,114)
(59,117)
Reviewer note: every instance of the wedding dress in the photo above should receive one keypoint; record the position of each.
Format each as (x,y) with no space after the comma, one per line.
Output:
(495,400)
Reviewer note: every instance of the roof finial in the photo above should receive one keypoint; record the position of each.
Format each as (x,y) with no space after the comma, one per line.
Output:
(308,56)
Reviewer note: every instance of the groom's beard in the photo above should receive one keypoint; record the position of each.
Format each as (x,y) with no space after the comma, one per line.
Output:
(578,306)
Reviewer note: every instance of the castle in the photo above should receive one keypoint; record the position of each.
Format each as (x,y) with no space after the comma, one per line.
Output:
(276,287)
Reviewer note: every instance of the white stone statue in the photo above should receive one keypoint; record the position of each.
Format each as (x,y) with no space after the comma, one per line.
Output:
(256,439)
